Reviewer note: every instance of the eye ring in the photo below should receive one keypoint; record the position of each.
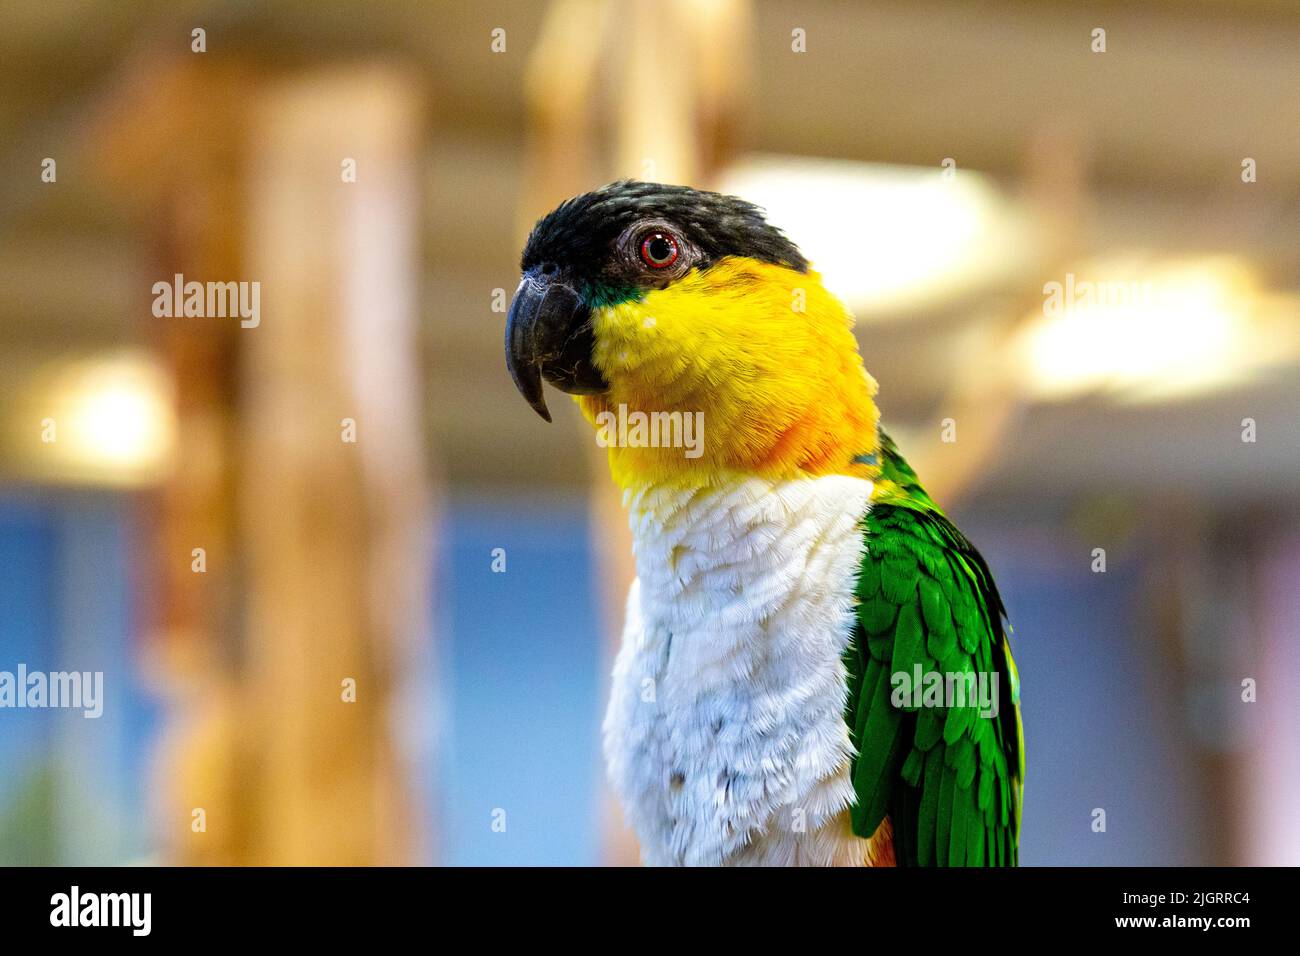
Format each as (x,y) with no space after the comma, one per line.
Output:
(659,249)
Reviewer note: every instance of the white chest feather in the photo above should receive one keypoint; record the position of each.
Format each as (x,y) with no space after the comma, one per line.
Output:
(725,735)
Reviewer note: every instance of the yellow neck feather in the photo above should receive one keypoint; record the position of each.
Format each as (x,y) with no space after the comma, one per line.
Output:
(763,353)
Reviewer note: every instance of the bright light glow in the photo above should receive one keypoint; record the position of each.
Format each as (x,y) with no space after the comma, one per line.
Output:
(887,239)
(111,418)
(1144,334)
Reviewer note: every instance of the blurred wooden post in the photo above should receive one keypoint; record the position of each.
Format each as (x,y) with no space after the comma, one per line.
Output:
(678,72)
(318,549)
(168,140)
(336,512)
(988,403)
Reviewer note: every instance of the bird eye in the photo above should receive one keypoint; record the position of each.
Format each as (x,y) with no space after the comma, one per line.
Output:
(659,250)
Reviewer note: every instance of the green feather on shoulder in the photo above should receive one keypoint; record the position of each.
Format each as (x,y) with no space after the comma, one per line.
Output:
(933,708)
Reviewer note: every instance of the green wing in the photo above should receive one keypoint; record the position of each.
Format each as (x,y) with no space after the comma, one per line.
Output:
(948,778)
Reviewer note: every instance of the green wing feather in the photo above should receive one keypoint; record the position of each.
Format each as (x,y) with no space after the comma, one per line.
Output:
(949,778)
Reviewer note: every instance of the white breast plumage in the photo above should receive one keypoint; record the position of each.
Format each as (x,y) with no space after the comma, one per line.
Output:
(725,737)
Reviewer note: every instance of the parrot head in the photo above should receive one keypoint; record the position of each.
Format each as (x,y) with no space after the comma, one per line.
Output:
(647,298)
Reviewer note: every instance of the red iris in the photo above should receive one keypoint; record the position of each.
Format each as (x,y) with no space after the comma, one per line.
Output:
(659,250)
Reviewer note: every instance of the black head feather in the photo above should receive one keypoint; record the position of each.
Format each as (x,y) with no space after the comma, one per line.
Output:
(582,234)
(598,249)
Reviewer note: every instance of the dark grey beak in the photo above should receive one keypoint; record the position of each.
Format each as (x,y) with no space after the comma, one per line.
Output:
(548,335)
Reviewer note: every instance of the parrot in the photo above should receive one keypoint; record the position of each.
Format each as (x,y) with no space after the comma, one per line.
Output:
(796,680)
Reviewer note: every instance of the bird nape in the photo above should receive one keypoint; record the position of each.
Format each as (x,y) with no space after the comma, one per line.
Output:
(814,667)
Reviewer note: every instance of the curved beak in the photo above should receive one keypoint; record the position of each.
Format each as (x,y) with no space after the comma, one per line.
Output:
(548,335)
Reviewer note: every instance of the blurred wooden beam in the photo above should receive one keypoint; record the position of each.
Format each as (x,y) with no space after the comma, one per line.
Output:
(317,549)
(166,139)
(560,87)
(986,403)
(335,504)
